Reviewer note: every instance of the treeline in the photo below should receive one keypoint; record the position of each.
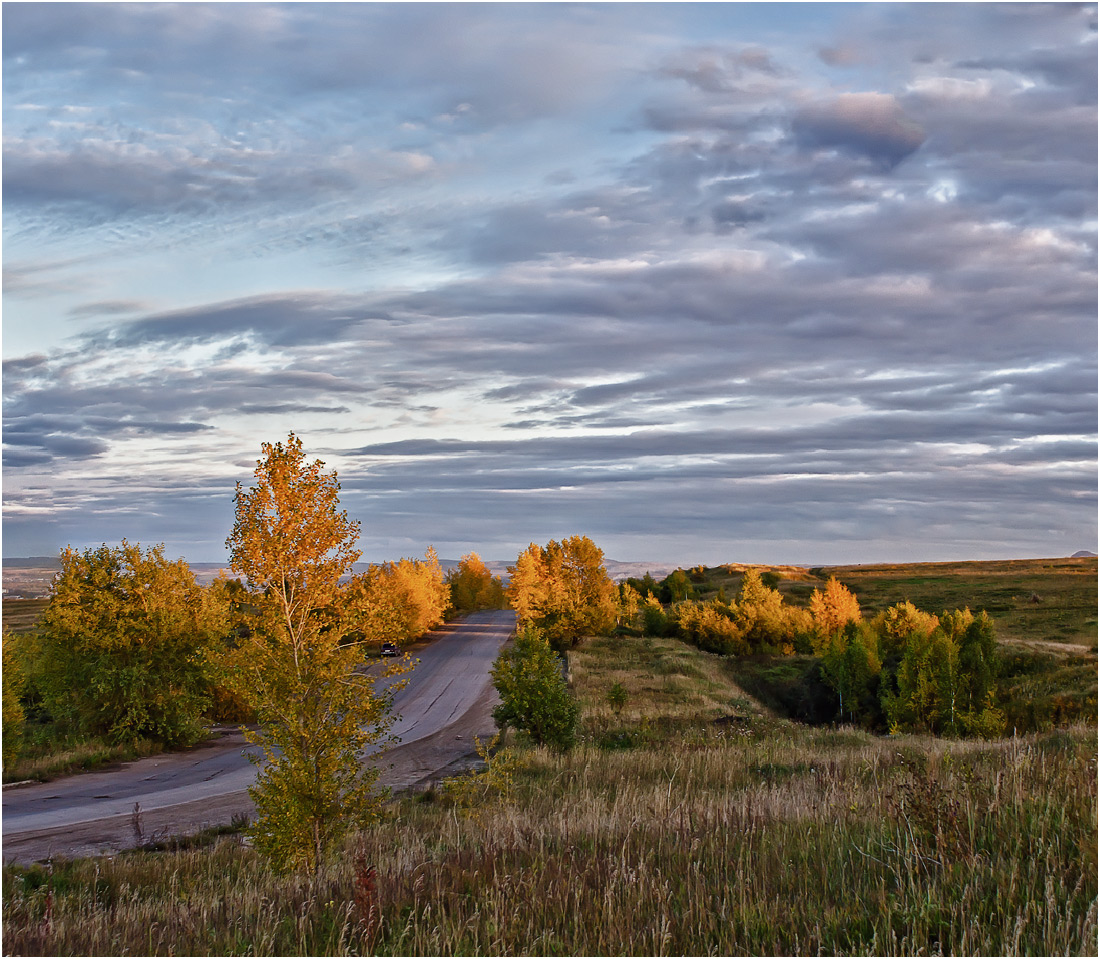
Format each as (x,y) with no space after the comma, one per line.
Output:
(131,647)
(903,670)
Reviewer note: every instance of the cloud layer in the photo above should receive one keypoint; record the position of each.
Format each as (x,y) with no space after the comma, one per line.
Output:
(813,294)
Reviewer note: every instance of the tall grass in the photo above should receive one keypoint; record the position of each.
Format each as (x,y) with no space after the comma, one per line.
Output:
(749,838)
(50,755)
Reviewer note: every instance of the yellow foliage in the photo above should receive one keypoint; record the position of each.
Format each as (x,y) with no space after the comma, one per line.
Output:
(12,707)
(418,586)
(473,586)
(564,589)
(832,610)
(319,713)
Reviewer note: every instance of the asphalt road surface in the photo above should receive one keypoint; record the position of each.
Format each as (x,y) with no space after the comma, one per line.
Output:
(447,701)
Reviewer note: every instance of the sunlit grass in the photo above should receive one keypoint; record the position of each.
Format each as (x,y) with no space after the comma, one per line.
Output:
(716,829)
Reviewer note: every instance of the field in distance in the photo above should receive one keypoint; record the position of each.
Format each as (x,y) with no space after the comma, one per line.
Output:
(1032,601)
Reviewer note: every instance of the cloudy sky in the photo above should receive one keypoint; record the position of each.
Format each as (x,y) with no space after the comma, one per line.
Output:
(760,282)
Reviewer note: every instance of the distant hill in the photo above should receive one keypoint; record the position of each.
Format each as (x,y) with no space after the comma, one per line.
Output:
(1082,554)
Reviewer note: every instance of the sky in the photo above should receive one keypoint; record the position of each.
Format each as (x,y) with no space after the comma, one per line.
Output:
(707,283)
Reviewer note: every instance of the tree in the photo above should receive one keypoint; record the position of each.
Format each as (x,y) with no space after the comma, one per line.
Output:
(473,587)
(533,694)
(564,589)
(120,645)
(654,617)
(418,585)
(850,663)
(629,603)
(760,615)
(676,587)
(12,681)
(978,663)
(832,610)
(318,712)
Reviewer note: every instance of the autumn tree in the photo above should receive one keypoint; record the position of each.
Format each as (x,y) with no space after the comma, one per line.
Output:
(629,604)
(564,590)
(120,645)
(319,713)
(832,609)
(762,617)
(473,587)
(420,585)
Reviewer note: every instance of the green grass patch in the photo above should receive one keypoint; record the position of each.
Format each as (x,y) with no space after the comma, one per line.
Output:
(49,753)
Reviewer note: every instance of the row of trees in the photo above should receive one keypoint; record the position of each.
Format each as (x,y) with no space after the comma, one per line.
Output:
(474,587)
(131,646)
(904,670)
(756,621)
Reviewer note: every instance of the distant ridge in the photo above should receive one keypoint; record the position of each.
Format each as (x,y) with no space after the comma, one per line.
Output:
(1082,554)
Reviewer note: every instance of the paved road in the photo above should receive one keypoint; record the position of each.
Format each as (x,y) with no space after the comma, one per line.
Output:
(445,701)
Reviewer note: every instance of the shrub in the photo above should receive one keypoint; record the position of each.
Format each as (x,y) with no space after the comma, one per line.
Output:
(534,696)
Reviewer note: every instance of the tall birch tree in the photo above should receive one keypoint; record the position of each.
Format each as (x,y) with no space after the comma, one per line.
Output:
(319,714)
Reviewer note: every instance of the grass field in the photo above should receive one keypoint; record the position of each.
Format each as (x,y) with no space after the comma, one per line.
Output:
(1033,601)
(1044,610)
(690,822)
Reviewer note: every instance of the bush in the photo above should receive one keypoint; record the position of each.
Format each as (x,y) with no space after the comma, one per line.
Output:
(534,696)
(120,647)
(13,709)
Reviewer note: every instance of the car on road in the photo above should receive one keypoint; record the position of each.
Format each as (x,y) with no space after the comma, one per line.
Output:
(390,649)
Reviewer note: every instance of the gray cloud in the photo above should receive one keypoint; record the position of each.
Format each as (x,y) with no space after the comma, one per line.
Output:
(784,315)
(868,124)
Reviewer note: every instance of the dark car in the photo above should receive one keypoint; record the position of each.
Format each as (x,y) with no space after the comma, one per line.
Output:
(390,649)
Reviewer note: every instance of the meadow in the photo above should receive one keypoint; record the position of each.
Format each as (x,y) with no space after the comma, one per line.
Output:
(691,819)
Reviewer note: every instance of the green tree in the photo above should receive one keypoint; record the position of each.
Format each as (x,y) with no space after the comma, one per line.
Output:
(121,645)
(654,617)
(850,663)
(978,663)
(534,696)
(676,587)
(319,713)
(13,717)
(616,697)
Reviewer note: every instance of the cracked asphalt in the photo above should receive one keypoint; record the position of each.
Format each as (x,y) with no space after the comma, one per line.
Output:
(447,701)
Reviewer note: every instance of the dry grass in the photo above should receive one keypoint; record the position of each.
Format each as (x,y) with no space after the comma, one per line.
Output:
(754,837)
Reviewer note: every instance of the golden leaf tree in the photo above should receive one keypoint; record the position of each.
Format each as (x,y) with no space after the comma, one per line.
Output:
(320,715)
(832,610)
(564,590)
(473,587)
(119,651)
